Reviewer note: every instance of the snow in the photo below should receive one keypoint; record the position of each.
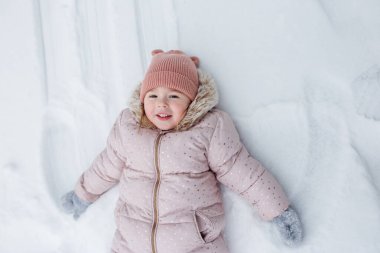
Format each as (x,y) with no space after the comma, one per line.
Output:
(300,79)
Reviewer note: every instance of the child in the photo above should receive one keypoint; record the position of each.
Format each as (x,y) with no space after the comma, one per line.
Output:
(169,151)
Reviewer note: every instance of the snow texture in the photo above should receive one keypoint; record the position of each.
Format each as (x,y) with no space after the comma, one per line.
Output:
(300,79)
(366,89)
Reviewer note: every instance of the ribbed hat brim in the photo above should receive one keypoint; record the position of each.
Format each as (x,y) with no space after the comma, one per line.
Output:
(171,80)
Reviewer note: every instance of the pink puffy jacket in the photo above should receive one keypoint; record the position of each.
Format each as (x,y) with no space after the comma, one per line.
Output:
(169,195)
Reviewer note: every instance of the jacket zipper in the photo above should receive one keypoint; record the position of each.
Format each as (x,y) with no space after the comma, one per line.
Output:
(155,193)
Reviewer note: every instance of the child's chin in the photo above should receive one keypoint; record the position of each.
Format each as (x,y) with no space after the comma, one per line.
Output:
(164,128)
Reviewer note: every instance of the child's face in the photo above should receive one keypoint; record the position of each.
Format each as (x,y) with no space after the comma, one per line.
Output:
(165,107)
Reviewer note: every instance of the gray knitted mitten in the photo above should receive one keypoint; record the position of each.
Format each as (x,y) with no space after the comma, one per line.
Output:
(289,225)
(71,203)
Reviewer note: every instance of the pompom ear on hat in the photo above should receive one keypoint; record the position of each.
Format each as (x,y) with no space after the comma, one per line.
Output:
(195,60)
(172,69)
(157,51)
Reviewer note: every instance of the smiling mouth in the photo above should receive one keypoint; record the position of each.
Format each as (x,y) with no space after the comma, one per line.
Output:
(162,116)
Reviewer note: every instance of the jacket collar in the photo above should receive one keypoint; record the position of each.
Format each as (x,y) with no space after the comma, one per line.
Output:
(206,99)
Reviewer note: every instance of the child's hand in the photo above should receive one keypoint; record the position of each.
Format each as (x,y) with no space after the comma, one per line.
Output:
(71,203)
(289,225)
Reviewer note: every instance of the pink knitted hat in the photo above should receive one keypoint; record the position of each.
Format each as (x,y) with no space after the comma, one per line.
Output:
(173,69)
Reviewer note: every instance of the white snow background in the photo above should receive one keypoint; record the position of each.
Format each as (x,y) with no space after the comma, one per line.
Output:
(301,79)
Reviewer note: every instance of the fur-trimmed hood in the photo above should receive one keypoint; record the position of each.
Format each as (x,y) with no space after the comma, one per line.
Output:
(206,99)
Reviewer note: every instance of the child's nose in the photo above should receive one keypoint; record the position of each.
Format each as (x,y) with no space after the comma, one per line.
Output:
(162,102)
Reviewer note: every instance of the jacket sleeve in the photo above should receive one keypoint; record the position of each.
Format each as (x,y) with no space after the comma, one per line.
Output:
(106,169)
(239,171)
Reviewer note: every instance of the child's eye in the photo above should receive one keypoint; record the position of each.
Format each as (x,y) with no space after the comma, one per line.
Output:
(173,96)
(152,96)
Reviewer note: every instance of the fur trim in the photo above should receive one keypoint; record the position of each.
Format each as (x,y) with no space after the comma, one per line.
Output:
(206,99)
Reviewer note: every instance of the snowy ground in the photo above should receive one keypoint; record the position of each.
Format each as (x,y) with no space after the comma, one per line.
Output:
(300,79)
